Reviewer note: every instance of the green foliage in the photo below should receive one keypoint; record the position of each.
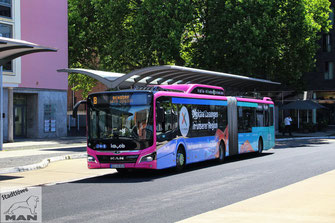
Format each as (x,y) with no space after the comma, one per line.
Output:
(271,39)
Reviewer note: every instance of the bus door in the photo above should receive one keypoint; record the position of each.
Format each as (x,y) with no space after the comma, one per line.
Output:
(248,133)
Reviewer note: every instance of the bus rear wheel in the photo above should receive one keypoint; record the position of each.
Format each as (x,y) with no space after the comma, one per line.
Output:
(180,159)
(260,146)
(222,153)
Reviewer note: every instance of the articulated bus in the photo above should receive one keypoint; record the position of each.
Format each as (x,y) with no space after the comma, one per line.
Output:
(165,126)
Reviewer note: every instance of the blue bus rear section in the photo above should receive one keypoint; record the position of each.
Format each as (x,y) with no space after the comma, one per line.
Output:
(266,134)
(203,148)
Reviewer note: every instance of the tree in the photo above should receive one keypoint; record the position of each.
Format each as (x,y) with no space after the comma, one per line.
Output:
(271,39)
(125,35)
(83,50)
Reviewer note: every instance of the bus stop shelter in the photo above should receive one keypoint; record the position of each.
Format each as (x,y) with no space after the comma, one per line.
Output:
(11,49)
(167,74)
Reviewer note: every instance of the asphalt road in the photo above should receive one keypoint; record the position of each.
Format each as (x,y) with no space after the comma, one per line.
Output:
(166,196)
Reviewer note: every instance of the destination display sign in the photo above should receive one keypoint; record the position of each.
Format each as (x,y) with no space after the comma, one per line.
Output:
(125,99)
(120,99)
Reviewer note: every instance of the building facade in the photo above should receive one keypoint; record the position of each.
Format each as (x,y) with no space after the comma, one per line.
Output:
(35,94)
(320,83)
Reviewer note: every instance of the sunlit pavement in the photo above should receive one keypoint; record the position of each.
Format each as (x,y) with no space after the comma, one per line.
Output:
(57,172)
(311,200)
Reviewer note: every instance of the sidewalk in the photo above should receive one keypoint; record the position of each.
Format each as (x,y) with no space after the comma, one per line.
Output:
(57,172)
(33,154)
(21,144)
(330,133)
(311,200)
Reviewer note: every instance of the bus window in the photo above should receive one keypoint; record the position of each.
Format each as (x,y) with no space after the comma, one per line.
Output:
(246,119)
(266,115)
(166,128)
(260,116)
(222,117)
(271,116)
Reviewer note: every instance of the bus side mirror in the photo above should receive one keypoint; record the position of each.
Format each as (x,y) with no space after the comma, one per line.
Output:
(75,108)
(160,115)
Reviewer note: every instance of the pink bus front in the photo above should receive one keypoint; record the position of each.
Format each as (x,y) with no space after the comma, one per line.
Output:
(120,130)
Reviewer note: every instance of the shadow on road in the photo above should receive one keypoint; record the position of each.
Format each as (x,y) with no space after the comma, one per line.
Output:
(137,176)
(290,144)
(8,177)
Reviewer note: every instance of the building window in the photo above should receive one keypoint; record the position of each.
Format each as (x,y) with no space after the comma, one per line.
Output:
(6,8)
(326,45)
(6,31)
(329,70)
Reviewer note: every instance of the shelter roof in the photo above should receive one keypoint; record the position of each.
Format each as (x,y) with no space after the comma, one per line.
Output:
(303,105)
(13,48)
(163,75)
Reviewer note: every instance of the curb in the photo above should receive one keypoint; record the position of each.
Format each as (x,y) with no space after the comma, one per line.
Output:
(44,163)
(301,138)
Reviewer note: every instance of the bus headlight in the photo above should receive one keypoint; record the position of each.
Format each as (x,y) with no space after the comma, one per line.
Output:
(91,159)
(148,158)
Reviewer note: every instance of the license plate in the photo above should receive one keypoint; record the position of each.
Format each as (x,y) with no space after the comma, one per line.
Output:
(117,165)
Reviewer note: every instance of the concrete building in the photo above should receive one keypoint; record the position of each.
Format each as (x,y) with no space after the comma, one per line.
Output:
(35,94)
(321,81)
(319,85)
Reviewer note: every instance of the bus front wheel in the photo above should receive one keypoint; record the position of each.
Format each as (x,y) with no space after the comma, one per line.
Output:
(180,159)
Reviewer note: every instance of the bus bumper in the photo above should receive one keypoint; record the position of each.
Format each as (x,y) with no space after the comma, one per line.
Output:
(139,160)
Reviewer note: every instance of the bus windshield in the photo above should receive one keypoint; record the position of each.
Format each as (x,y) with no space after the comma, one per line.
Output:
(121,117)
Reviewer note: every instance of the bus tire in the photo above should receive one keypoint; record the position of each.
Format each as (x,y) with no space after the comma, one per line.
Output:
(260,146)
(180,159)
(222,152)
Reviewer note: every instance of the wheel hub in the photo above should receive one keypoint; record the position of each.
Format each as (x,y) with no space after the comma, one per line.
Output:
(181,159)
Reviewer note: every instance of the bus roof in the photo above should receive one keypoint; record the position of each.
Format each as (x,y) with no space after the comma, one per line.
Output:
(187,91)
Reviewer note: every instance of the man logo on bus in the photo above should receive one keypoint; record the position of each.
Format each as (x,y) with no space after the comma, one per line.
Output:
(184,121)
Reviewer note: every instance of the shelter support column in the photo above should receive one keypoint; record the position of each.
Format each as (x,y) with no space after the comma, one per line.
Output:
(314,111)
(10,115)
